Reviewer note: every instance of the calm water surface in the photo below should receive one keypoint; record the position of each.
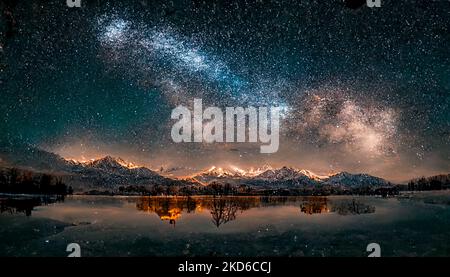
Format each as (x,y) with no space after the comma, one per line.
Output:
(416,225)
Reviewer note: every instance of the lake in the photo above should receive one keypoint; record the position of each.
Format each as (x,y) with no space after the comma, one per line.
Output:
(413,224)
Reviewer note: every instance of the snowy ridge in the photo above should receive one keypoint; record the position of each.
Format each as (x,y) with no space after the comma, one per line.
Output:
(287,175)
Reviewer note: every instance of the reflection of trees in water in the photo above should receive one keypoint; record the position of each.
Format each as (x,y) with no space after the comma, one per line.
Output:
(225,209)
(222,209)
(167,208)
(346,207)
(17,205)
(314,205)
(317,205)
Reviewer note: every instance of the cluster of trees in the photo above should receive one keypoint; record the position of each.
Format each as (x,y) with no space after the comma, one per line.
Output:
(155,190)
(212,189)
(14,180)
(215,188)
(438,182)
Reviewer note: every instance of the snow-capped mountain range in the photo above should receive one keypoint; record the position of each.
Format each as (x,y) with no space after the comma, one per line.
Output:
(110,173)
(234,171)
(104,173)
(285,175)
(111,165)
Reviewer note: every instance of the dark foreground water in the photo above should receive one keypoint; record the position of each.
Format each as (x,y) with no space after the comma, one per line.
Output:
(413,225)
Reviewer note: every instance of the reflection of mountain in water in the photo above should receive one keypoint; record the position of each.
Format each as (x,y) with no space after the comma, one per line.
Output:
(26,204)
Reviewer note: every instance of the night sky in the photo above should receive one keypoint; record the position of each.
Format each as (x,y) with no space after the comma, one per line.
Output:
(362,90)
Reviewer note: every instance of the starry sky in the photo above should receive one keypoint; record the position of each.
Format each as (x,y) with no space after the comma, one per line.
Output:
(361,89)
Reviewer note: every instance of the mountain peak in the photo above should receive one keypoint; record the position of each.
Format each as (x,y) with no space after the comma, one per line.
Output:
(220,172)
(352,180)
(284,172)
(111,162)
(313,175)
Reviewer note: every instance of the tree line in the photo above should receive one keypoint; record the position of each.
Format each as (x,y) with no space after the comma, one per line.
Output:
(438,182)
(215,188)
(18,181)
